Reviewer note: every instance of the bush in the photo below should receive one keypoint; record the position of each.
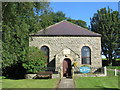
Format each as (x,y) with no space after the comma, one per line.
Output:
(36,61)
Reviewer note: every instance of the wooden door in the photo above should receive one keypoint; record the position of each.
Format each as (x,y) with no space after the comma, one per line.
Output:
(67,68)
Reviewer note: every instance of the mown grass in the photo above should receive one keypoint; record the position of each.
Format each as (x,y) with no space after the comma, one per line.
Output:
(110,73)
(33,83)
(113,67)
(97,82)
(117,59)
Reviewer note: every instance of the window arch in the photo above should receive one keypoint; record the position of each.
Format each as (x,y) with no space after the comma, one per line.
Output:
(86,55)
(45,49)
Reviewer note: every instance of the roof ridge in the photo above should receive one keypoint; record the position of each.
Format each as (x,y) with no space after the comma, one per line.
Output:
(54,24)
(51,25)
(81,27)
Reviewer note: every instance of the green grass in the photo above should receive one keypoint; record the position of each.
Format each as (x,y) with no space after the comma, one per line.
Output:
(117,59)
(32,83)
(113,67)
(96,82)
(110,73)
(104,59)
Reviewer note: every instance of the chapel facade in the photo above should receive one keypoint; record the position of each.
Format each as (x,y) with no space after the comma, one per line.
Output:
(66,44)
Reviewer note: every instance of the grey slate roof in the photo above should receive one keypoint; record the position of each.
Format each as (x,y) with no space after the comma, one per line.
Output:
(65,28)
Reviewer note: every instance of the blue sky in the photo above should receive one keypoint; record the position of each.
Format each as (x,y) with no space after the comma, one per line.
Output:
(82,10)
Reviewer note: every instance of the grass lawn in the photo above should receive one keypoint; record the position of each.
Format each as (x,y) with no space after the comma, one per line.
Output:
(32,83)
(97,82)
(113,67)
(117,59)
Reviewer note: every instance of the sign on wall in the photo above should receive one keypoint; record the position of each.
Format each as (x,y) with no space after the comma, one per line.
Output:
(84,69)
(66,51)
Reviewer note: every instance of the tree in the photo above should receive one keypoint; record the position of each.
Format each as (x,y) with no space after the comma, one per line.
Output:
(19,20)
(51,18)
(58,16)
(36,61)
(78,22)
(107,23)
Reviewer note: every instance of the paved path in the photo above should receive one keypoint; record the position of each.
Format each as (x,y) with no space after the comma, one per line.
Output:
(66,83)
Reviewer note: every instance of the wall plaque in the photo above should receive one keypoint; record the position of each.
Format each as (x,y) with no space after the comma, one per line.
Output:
(66,51)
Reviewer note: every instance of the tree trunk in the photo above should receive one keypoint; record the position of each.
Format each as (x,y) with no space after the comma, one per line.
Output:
(110,58)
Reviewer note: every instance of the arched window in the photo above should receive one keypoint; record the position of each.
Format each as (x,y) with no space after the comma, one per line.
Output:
(86,55)
(45,49)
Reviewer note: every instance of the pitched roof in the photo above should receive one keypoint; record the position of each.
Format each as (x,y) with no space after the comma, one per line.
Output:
(65,28)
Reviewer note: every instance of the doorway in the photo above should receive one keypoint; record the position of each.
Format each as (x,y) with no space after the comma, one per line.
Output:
(67,68)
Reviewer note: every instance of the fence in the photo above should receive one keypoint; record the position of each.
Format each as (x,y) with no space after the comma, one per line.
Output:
(113,72)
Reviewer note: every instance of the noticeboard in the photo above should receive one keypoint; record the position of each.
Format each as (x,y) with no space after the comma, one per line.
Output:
(84,69)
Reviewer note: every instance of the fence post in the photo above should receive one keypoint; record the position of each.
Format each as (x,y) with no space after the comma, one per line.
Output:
(115,72)
(105,71)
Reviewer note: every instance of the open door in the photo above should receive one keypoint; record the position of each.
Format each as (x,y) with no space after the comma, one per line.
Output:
(67,68)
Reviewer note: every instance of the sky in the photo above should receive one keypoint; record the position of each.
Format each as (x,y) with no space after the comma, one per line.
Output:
(81,10)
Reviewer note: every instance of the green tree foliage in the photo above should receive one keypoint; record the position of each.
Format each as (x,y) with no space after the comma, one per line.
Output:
(19,20)
(51,18)
(107,23)
(78,22)
(57,17)
(36,61)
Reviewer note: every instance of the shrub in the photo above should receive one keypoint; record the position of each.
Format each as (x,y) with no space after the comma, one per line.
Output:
(36,61)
